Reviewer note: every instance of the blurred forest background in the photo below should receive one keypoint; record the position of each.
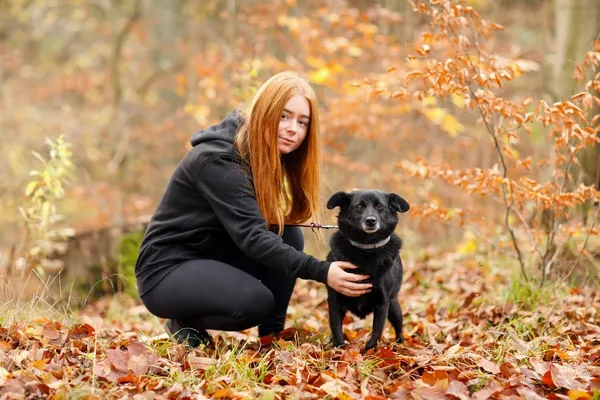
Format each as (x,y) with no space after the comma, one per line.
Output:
(126,83)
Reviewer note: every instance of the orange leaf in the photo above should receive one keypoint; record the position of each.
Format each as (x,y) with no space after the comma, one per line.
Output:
(82,330)
(224,393)
(547,380)
(374,93)
(578,395)
(42,320)
(39,364)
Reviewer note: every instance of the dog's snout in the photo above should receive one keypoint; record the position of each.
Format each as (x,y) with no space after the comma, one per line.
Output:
(371,221)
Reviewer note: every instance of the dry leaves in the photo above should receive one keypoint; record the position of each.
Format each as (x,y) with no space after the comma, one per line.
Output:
(480,349)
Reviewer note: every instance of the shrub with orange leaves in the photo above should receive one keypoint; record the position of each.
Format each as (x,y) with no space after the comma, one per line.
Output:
(537,193)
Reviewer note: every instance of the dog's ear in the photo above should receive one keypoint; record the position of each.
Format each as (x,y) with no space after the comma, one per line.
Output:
(339,199)
(397,203)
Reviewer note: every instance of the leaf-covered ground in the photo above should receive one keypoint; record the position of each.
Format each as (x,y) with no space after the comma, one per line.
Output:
(469,334)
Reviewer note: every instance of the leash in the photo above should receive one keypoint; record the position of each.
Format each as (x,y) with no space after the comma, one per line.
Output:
(314,226)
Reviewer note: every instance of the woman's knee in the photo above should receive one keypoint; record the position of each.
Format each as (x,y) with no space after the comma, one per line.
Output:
(154,305)
(293,236)
(254,307)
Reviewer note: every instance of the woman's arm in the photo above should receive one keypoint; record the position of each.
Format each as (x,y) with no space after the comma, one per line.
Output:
(228,189)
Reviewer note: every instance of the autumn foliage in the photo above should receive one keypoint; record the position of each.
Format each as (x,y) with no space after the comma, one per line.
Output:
(537,193)
(434,103)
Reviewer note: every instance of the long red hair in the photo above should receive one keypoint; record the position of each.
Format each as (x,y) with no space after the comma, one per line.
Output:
(287,186)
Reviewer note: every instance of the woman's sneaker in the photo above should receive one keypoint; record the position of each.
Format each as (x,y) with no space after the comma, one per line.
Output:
(189,336)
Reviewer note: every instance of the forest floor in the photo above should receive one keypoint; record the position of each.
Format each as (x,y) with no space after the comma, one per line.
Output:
(471,332)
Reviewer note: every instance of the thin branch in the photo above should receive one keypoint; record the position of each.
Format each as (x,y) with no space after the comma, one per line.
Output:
(492,131)
(582,249)
(528,229)
(554,230)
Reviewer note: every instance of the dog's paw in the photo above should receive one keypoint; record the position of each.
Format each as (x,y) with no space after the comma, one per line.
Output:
(400,339)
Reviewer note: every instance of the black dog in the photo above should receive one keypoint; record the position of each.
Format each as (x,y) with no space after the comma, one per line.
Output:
(366,238)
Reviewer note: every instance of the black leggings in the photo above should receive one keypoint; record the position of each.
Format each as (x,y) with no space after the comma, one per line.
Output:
(229,295)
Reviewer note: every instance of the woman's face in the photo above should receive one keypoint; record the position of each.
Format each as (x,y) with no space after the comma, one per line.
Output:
(293,124)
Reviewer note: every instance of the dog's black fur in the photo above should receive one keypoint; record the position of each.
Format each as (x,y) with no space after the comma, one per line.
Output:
(368,217)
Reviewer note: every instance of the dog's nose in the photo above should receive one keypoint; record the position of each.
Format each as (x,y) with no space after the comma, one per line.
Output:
(371,220)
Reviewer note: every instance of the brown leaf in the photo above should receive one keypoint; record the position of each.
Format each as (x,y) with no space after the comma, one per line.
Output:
(488,366)
(507,370)
(138,365)
(564,377)
(103,368)
(519,345)
(201,362)
(129,378)
(486,393)
(469,299)
(118,358)
(82,330)
(459,390)
(50,332)
(436,378)
(529,394)
(430,393)
(35,390)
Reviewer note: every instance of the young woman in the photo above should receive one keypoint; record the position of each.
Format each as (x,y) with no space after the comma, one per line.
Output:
(217,253)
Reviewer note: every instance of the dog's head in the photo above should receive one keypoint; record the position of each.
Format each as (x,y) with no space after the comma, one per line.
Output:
(367,214)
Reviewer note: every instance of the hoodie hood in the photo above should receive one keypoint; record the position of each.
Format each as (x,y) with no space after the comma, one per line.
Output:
(223,131)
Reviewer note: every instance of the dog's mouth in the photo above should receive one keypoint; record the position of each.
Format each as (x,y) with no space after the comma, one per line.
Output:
(370,227)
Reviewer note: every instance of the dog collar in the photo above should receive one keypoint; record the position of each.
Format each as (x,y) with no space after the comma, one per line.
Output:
(370,246)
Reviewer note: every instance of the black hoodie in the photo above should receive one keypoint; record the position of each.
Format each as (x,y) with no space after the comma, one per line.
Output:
(208,204)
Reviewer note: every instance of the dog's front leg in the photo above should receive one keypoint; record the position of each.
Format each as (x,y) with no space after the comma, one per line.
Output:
(336,316)
(379,319)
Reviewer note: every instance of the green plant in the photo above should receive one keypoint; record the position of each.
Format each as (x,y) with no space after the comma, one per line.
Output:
(527,294)
(44,239)
(128,253)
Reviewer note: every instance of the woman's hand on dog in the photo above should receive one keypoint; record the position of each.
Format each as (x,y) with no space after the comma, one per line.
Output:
(345,282)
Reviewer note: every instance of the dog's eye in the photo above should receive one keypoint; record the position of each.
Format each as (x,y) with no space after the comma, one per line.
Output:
(359,207)
(379,207)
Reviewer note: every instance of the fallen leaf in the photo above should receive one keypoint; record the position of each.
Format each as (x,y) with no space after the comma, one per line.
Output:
(565,377)
(118,358)
(529,394)
(458,389)
(201,362)
(81,331)
(579,395)
(225,393)
(39,364)
(36,390)
(138,364)
(486,393)
(436,378)
(50,332)
(430,393)
(488,366)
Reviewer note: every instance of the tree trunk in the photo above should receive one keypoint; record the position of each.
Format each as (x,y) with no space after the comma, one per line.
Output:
(167,30)
(577,26)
